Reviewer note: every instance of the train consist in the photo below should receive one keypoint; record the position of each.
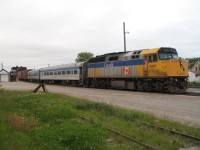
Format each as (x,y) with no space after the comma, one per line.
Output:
(158,69)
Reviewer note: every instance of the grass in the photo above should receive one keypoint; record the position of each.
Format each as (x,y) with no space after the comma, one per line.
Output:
(50,121)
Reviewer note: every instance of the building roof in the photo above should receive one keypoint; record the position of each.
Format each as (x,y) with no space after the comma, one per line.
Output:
(196,63)
(3,71)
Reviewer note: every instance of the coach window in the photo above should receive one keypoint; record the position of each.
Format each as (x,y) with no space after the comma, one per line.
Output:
(63,72)
(55,73)
(59,72)
(68,72)
(51,73)
(75,72)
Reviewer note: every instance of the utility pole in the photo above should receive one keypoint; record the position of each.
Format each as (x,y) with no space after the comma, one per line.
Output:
(2,65)
(124,36)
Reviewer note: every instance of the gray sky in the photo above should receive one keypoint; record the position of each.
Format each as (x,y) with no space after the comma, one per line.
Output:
(35,33)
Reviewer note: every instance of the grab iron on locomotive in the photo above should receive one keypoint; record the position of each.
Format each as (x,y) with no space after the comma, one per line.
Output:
(157,69)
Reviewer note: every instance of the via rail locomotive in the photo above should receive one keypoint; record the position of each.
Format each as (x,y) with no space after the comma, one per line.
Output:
(157,69)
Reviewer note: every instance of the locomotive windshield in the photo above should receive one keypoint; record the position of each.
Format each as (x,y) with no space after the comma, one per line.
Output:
(167,53)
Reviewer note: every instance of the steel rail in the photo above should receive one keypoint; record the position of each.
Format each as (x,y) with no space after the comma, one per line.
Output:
(172,131)
(123,135)
(169,130)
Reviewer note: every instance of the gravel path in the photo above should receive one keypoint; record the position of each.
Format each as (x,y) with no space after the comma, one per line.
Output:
(185,109)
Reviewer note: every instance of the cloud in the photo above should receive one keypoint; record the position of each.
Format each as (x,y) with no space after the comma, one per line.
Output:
(39,32)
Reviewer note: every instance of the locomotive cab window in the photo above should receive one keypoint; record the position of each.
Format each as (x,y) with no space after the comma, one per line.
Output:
(167,53)
(152,58)
(155,58)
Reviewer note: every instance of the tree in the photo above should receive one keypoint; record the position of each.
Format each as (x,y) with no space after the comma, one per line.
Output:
(83,56)
(192,61)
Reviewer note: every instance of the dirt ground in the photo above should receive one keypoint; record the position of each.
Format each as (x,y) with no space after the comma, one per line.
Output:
(182,108)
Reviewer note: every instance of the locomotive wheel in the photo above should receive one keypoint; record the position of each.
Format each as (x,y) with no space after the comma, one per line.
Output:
(173,89)
(146,87)
(157,86)
(140,86)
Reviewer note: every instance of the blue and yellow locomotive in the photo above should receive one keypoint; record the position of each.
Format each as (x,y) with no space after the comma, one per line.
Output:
(158,69)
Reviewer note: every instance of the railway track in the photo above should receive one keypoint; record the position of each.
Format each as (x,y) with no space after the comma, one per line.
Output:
(172,131)
(123,135)
(192,94)
(167,130)
(147,124)
(186,93)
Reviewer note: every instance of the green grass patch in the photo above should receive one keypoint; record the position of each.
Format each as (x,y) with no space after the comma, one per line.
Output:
(50,121)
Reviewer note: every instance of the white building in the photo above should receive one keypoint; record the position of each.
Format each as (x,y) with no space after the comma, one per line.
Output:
(194,73)
(193,77)
(4,76)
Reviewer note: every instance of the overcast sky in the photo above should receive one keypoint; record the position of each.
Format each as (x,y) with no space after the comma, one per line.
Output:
(35,33)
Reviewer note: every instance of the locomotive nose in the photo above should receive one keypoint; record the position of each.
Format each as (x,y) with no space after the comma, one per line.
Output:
(177,68)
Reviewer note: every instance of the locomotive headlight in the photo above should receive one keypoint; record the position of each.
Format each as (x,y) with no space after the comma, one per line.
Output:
(181,64)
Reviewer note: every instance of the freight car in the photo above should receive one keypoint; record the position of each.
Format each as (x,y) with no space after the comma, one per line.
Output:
(158,69)
(23,75)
